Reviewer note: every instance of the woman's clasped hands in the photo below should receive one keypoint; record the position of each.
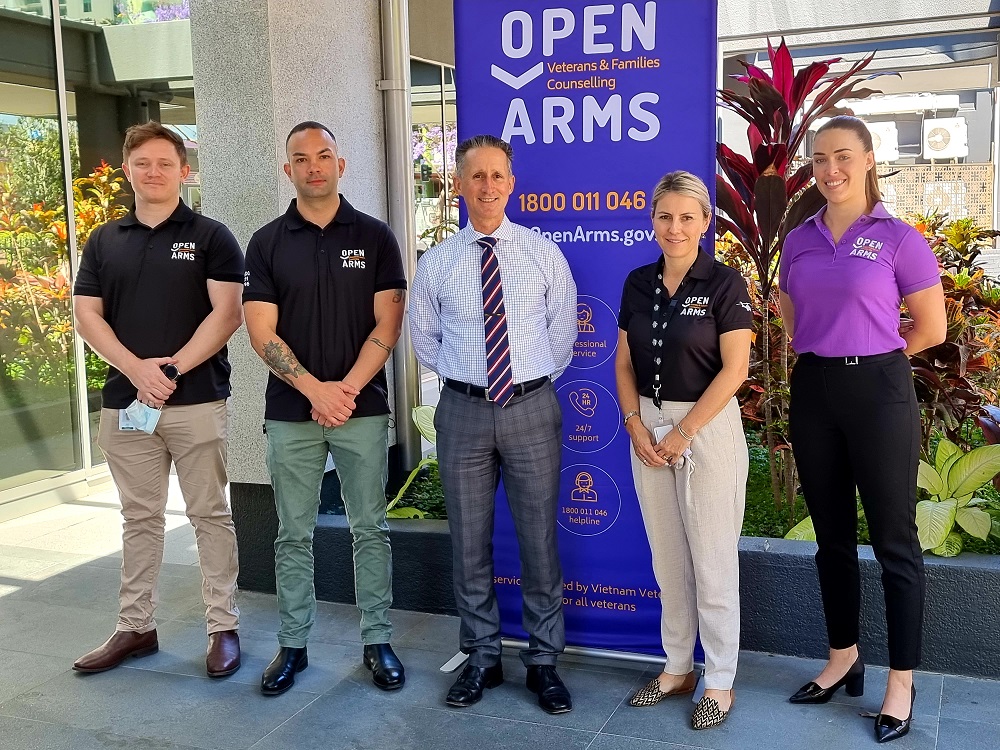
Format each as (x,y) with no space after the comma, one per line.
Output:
(666,452)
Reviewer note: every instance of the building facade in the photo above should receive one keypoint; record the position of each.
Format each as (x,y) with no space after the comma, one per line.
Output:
(233,77)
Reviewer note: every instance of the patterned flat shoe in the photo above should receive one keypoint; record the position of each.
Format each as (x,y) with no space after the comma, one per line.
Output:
(651,694)
(707,713)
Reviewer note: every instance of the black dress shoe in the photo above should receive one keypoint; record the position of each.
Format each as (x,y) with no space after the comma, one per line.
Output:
(468,688)
(889,728)
(280,673)
(553,696)
(853,683)
(387,671)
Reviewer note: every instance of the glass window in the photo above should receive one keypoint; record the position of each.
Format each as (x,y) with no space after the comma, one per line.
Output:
(433,114)
(432,111)
(38,403)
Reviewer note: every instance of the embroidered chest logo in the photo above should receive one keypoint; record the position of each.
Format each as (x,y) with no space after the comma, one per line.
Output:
(352,258)
(696,306)
(182,251)
(866,248)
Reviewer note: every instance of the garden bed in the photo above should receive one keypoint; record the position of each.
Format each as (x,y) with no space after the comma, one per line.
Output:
(781,610)
(762,518)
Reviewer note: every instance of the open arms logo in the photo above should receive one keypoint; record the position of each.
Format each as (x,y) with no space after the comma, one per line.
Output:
(601,33)
(182,251)
(352,258)
(866,248)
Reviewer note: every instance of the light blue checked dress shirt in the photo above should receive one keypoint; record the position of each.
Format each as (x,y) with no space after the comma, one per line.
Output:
(446,305)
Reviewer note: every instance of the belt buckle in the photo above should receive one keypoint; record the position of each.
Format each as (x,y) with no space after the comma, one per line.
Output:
(486,394)
(851,360)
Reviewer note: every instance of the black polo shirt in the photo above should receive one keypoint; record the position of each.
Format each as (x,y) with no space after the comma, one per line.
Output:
(153,282)
(712,300)
(323,281)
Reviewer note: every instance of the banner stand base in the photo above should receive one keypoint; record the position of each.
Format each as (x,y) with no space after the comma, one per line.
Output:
(454,662)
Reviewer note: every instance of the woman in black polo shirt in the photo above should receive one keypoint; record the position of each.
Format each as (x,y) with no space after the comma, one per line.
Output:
(683,351)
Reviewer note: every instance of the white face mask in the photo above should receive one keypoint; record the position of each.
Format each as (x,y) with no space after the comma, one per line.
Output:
(139,416)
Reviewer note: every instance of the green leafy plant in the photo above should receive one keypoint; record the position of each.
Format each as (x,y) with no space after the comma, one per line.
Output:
(958,243)
(958,379)
(952,483)
(31,160)
(423,418)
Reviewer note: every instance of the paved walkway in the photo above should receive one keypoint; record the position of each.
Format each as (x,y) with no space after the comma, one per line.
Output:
(58,585)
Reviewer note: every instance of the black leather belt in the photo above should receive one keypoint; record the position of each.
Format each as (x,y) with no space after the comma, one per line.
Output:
(815,359)
(468,389)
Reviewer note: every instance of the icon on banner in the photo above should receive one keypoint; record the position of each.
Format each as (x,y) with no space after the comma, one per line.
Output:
(584,491)
(584,314)
(584,401)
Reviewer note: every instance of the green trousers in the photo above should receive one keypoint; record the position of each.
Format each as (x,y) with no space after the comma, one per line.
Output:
(296,457)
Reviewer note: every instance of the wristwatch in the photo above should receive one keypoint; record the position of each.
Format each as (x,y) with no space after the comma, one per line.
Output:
(172,372)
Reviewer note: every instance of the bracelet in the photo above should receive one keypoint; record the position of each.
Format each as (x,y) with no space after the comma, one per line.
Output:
(627,417)
(683,434)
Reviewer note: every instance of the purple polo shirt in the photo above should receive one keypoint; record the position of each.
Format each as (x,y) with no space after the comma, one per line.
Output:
(847,294)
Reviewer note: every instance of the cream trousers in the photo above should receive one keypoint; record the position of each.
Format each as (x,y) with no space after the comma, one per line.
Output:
(193,437)
(693,517)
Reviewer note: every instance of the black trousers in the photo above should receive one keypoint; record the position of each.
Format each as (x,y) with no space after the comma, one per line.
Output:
(856,426)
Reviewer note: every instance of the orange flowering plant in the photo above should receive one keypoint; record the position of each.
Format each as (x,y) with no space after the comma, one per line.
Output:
(36,318)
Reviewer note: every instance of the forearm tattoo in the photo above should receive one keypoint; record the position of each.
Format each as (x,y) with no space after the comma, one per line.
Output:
(279,358)
(379,343)
(397,296)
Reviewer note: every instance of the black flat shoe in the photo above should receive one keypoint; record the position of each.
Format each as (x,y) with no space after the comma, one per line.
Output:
(853,683)
(279,675)
(553,696)
(387,671)
(468,688)
(889,728)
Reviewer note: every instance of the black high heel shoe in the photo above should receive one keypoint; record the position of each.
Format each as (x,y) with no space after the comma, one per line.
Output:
(853,683)
(889,728)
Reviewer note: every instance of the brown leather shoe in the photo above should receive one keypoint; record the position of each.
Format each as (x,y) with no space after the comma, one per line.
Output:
(115,650)
(223,653)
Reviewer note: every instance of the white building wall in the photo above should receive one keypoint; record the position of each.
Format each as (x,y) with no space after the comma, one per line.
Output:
(260,67)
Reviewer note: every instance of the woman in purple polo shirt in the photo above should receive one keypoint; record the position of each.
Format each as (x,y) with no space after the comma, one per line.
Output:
(853,421)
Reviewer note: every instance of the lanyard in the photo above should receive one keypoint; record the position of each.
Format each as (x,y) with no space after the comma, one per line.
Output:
(662,314)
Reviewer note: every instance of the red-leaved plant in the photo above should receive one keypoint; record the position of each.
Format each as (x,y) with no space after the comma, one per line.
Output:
(766,196)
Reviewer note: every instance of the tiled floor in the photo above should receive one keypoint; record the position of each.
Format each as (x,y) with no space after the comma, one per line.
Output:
(58,583)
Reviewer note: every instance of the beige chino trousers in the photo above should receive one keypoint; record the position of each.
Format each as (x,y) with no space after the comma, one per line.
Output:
(693,517)
(194,439)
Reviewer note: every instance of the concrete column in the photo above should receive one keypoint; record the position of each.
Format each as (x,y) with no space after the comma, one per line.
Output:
(260,67)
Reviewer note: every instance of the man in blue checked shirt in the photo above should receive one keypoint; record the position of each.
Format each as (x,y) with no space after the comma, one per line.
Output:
(493,312)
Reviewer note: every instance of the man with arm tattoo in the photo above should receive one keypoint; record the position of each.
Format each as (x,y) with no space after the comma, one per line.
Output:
(323,299)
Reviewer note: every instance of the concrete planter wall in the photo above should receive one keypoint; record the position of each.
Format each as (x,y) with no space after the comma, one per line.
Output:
(781,611)
(782,614)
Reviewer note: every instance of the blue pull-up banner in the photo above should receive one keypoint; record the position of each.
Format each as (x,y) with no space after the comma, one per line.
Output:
(598,101)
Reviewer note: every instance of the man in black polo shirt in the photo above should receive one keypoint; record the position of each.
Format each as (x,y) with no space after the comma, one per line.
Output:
(323,299)
(158,296)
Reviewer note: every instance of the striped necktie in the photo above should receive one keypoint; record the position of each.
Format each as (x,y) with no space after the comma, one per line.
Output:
(498,374)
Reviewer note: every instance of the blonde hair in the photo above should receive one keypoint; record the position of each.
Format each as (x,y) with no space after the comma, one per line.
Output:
(683,183)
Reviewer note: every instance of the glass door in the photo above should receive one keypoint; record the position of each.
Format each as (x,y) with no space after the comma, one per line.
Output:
(39,407)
